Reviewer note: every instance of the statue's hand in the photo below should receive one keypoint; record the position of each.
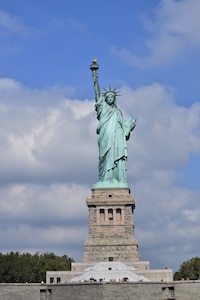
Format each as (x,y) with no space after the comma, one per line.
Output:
(129,125)
(133,123)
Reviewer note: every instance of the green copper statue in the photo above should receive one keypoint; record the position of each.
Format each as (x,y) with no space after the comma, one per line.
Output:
(113,133)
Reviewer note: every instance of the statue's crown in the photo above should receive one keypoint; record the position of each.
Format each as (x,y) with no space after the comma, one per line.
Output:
(111,91)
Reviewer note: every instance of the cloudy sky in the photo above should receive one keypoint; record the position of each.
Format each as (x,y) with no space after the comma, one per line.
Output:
(150,50)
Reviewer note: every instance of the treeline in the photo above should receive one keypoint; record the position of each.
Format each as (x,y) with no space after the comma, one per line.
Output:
(18,267)
(189,269)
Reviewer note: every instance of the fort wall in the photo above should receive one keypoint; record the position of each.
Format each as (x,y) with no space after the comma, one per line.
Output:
(176,290)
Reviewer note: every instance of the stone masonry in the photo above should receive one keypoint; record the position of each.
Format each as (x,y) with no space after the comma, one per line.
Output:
(177,290)
(111,226)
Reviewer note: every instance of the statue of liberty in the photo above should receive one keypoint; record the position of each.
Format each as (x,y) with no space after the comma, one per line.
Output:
(113,133)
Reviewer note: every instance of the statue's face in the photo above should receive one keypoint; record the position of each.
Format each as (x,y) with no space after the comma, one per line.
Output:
(110,98)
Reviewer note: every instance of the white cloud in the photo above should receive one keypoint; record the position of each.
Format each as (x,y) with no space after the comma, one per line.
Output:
(191,215)
(166,134)
(43,137)
(13,30)
(49,158)
(172,28)
(12,25)
(38,217)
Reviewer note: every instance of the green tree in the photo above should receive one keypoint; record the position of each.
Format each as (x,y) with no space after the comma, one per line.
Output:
(25,267)
(189,269)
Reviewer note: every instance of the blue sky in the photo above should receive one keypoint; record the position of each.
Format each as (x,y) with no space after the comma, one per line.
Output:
(48,146)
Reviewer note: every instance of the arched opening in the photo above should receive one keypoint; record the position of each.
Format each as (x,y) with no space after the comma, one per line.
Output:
(102,214)
(118,214)
(110,214)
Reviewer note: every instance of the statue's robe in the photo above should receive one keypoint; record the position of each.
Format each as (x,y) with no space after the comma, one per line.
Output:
(113,132)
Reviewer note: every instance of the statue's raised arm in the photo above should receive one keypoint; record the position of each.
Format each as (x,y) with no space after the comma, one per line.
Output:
(94,67)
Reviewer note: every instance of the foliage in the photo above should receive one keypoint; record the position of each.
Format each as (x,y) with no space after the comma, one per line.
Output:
(189,269)
(24,267)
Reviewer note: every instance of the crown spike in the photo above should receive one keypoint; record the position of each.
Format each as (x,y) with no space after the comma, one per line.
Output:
(110,90)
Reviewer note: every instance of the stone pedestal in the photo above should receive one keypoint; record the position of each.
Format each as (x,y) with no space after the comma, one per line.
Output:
(111,226)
